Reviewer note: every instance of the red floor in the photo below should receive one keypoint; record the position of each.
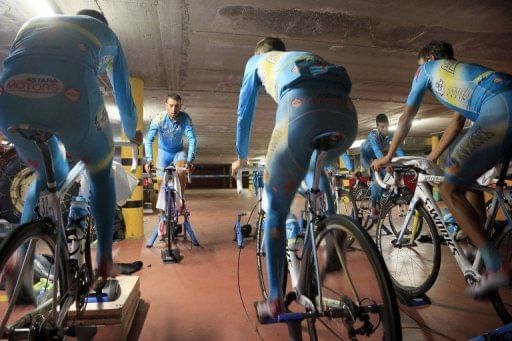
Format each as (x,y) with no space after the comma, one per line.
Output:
(198,299)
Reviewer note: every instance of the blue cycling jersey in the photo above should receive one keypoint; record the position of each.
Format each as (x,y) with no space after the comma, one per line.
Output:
(277,72)
(170,134)
(459,86)
(375,145)
(79,38)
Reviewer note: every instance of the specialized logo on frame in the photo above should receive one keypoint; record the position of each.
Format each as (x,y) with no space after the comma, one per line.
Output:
(33,85)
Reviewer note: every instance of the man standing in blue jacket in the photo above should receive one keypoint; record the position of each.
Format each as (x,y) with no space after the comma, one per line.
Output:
(373,148)
(49,82)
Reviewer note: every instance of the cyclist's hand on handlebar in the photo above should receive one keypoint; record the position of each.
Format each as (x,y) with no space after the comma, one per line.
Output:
(378,163)
(147,167)
(138,138)
(432,158)
(235,166)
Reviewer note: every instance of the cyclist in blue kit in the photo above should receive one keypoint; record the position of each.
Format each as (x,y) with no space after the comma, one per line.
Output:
(171,126)
(49,82)
(312,98)
(373,148)
(483,96)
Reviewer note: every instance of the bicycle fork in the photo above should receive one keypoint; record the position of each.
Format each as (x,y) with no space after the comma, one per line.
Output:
(410,211)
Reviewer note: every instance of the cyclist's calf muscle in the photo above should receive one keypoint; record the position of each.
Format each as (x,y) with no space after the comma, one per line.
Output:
(468,217)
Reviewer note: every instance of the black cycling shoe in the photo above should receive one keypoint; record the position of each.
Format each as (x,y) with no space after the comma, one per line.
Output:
(129,268)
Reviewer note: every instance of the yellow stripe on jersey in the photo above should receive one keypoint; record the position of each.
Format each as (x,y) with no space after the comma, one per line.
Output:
(269,72)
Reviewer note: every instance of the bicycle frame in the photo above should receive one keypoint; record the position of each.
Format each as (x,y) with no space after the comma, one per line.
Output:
(316,203)
(49,206)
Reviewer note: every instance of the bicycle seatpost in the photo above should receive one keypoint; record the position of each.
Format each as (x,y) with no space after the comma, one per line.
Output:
(319,166)
(48,165)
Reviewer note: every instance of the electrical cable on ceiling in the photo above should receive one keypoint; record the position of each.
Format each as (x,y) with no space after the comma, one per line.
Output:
(99,7)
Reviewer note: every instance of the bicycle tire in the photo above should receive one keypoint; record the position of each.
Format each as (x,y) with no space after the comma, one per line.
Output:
(497,301)
(16,178)
(38,230)
(391,315)
(401,287)
(261,258)
(171,219)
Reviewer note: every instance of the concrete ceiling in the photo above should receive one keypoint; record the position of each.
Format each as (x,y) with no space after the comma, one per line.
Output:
(200,47)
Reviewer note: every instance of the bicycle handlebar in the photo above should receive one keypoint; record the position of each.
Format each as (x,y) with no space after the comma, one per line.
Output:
(379,181)
(239,186)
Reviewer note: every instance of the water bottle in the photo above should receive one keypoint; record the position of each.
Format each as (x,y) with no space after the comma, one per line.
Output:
(45,291)
(76,227)
(41,298)
(292,230)
(451,224)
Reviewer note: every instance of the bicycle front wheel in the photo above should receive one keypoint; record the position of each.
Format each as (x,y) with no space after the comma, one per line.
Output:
(413,261)
(502,300)
(355,296)
(28,294)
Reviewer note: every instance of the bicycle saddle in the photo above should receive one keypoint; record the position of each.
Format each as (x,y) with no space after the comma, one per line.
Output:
(36,134)
(326,141)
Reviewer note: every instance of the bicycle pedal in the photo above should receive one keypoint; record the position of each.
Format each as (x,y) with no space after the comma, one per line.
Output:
(285,317)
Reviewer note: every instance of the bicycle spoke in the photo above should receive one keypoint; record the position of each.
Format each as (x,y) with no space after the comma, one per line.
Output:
(344,290)
(345,269)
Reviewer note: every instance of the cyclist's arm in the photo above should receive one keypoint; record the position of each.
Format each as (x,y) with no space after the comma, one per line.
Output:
(347,162)
(192,141)
(246,105)
(150,137)
(120,79)
(400,152)
(450,134)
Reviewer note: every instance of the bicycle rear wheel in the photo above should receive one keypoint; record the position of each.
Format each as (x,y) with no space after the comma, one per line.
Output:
(28,298)
(261,258)
(355,302)
(502,301)
(414,263)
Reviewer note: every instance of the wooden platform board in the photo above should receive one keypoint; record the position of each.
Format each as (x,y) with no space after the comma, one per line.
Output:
(119,313)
